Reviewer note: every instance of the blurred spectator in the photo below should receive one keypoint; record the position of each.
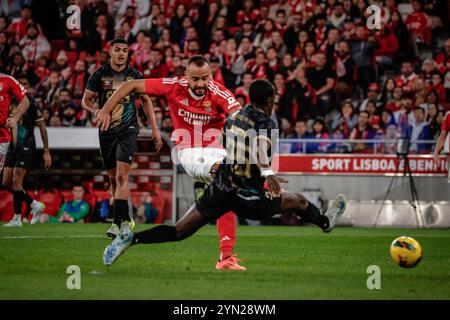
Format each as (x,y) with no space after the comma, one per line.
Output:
(388,47)
(362,131)
(18,27)
(72,211)
(297,102)
(346,119)
(319,132)
(418,26)
(34,45)
(338,17)
(345,71)
(372,95)
(146,211)
(77,81)
(419,130)
(387,93)
(300,132)
(362,48)
(443,59)
(155,67)
(321,77)
(407,76)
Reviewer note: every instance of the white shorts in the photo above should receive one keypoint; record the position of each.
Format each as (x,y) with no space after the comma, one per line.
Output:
(3,151)
(198,161)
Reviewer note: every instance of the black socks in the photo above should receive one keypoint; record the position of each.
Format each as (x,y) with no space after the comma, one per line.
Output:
(312,214)
(158,234)
(19,197)
(120,211)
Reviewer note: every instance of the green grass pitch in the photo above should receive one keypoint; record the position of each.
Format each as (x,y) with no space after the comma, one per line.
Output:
(282,262)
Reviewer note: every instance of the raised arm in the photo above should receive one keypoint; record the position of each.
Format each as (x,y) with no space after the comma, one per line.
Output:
(104,115)
(147,106)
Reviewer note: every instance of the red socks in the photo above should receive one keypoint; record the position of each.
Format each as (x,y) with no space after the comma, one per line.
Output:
(226,227)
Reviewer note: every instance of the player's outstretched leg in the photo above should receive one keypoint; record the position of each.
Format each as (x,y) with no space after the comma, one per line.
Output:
(335,211)
(310,213)
(185,227)
(114,229)
(226,228)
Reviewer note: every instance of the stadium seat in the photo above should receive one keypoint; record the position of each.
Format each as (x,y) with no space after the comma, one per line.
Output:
(52,200)
(6,206)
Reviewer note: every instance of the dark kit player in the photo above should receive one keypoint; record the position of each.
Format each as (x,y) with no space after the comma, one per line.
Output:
(118,143)
(238,183)
(20,159)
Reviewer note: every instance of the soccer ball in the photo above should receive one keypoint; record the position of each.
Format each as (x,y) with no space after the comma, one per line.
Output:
(406,252)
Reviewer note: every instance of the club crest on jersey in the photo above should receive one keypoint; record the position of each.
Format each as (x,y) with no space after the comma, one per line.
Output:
(107,83)
(207,105)
(1,87)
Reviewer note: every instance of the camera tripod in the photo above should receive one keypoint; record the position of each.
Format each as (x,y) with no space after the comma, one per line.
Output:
(413,190)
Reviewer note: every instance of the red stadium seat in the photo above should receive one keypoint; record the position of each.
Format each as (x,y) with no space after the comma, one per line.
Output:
(6,206)
(52,200)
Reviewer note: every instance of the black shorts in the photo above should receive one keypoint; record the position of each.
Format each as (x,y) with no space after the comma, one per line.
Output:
(118,148)
(20,157)
(215,202)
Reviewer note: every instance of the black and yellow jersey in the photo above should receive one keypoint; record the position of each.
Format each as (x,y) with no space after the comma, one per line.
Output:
(103,82)
(242,132)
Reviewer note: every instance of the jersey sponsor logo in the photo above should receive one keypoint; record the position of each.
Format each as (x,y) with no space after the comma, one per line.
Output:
(194,118)
(107,83)
(207,105)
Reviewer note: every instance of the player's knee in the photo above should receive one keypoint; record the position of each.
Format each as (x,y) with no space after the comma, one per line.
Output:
(17,182)
(302,201)
(180,233)
(121,177)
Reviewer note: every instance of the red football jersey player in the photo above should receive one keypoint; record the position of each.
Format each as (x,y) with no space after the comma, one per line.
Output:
(10,87)
(441,140)
(198,107)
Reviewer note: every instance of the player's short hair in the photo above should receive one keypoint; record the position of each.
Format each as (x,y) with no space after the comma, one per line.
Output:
(118,41)
(198,60)
(260,92)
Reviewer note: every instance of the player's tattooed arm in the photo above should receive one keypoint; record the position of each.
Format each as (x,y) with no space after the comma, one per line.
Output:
(147,106)
(46,155)
(104,115)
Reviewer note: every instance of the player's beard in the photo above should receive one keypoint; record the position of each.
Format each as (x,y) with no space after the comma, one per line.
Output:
(201,93)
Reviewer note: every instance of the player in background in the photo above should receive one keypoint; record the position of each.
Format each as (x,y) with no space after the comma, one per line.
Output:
(441,142)
(20,159)
(198,107)
(118,143)
(238,182)
(10,87)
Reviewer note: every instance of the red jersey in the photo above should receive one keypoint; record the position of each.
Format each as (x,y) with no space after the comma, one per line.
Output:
(9,87)
(417,23)
(192,114)
(446,124)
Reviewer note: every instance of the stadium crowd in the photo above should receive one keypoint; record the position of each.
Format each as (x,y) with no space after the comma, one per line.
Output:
(334,77)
